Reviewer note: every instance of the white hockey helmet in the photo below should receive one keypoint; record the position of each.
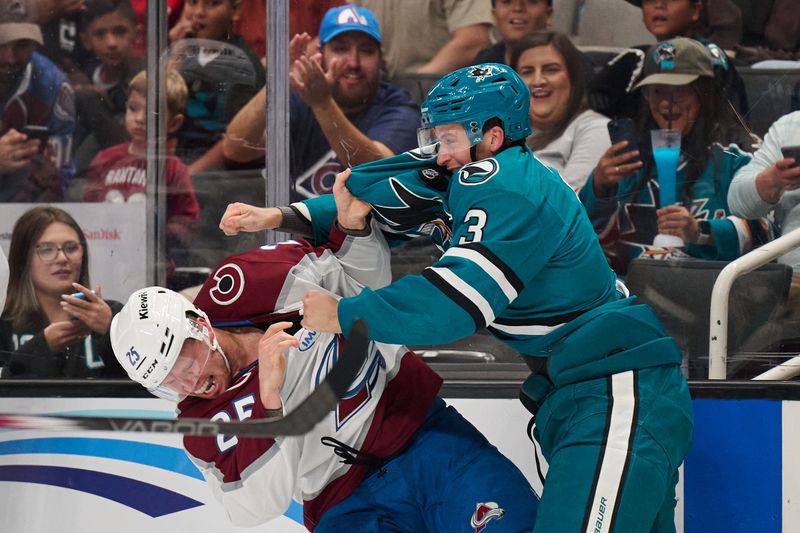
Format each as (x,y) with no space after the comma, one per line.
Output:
(148,338)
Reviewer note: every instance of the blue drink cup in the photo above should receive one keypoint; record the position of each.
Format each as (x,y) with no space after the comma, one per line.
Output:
(666,153)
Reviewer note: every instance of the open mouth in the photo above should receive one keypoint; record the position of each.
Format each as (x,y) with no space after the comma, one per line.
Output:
(208,386)
(541,93)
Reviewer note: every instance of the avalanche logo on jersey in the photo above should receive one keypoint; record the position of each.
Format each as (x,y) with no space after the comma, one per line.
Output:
(478,172)
(361,390)
(484,512)
(230,284)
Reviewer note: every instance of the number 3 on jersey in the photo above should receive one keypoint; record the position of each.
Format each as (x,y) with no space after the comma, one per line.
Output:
(475,220)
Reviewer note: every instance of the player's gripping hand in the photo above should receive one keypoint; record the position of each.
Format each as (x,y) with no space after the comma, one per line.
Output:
(320,312)
(272,363)
(351,212)
(240,217)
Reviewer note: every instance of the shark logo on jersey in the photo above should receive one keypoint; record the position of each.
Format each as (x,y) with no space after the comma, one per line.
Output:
(484,512)
(416,215)
(230,284)
(478,172)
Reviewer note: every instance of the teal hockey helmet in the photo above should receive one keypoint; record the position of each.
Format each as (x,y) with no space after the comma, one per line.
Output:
(472,95)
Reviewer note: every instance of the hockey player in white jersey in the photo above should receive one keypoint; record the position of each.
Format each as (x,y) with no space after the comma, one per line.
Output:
(408,461)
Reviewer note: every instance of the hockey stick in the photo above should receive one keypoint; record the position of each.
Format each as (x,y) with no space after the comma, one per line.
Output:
(297,422)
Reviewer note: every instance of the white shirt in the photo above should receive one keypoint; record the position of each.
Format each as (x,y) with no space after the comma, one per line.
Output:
(743,198)
(576,152)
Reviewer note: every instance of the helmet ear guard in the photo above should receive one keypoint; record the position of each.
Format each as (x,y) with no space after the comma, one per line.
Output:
(470,96)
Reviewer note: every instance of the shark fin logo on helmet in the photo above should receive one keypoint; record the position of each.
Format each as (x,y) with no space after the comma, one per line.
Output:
(478,172)
(481,72)
(484,512)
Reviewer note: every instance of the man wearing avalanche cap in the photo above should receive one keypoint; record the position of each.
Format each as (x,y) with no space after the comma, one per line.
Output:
(342,114)
(33,92)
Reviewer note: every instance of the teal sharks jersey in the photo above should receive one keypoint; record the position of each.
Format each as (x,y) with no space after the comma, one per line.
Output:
(522,260)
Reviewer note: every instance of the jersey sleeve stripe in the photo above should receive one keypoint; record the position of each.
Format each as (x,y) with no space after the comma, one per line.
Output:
(435,277)
(523,330)
(505,278)
(507,271)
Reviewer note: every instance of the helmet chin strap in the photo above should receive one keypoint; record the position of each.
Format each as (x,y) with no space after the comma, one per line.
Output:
(473,152)
(217,347)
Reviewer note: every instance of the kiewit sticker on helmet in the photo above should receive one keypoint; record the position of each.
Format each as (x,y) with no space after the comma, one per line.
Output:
(478,172)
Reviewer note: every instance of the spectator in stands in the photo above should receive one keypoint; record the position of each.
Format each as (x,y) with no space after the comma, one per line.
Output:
(341,113)
(118,174)
(33,93)
(567,135)
(222,74)
(611,91)
(431,36)
(305,16)
(59,21)
(108,30)
(621,196)
(174,12)
(721,23)
(770,181)
(45,332)
(772,31)
(514,20)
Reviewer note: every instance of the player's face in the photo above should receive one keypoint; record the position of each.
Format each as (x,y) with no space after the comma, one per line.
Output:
(355,59)
(211,19)
(111,38)
(14,57)
(544,70)
(136,118)
(515,19)
(673,106)
(54,275)
(666,19)
(455,148)
(199,371)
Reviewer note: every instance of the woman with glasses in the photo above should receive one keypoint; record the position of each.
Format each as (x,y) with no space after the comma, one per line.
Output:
(622,196)
(53,324)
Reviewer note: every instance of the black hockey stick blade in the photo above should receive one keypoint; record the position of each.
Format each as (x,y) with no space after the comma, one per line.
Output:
(297,422)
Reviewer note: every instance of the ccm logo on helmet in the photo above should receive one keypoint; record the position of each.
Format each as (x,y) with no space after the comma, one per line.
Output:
(230,284)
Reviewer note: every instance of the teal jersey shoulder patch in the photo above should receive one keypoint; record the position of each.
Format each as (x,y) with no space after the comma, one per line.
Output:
(478,172)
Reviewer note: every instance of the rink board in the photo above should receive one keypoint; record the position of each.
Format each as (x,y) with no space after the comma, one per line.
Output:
(740,476)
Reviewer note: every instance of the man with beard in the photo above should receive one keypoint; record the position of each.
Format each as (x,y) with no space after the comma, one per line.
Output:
(37,115)
(342,114)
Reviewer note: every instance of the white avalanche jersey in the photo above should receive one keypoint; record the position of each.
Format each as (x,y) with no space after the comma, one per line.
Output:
(256,478)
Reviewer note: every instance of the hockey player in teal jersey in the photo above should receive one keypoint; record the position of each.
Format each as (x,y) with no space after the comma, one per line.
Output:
(613,412)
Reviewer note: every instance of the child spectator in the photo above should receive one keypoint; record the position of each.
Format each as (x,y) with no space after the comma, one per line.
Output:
(611,90)
(222,74)
(108,30)
(118,174)
(514,20)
